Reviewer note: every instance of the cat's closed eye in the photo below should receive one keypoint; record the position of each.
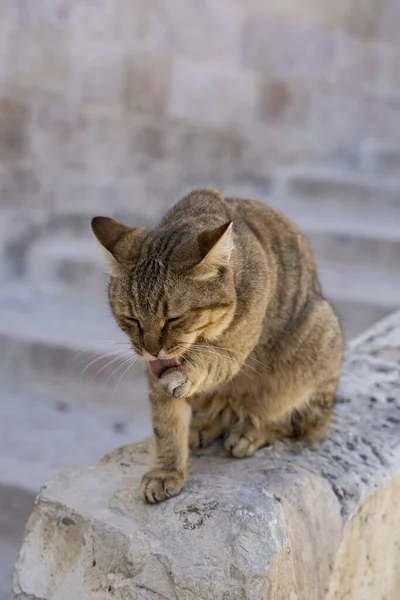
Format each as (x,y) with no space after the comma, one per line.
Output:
(173,319)
(132,320)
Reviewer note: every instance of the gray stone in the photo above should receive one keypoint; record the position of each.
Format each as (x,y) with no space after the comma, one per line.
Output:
(290,523)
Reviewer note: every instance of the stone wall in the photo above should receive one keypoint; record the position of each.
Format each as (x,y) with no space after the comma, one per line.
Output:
(121,104)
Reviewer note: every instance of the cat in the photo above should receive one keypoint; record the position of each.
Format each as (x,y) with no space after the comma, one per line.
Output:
(222,301)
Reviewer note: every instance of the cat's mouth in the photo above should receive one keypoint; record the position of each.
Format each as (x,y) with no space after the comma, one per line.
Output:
(158,366)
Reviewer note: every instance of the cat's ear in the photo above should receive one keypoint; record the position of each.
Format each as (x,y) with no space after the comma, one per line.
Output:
(108,233)
(216,248)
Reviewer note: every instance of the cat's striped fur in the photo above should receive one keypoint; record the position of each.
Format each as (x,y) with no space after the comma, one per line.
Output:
(228,289)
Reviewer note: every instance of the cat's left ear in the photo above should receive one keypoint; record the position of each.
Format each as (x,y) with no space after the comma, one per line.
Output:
(216,248)
(109,233)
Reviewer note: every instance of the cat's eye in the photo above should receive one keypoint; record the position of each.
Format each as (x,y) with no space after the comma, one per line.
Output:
(133,321)
(172,320)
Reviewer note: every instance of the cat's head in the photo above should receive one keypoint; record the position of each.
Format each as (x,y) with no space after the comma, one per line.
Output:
(170,287)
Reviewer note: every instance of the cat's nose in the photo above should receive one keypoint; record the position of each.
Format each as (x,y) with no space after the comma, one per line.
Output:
(152,344)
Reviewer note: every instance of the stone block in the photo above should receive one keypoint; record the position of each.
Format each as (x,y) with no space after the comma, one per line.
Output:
(340,113)
(285,102)
(358,63)
(38,59)
(147,82)
(363,18)
(211,94)
(76,193)
(99,72)
(54,126)
(307,523)
(93,20)
(267,145)
(21,186)
(390,22)
(14,133)
(203,152)
(206,30)
(308,13)
(287,50)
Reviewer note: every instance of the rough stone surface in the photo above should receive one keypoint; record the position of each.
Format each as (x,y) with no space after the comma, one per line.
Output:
(289,523)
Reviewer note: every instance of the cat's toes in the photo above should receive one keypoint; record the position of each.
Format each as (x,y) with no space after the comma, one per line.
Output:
(239,445)
(159,485)
(201,438)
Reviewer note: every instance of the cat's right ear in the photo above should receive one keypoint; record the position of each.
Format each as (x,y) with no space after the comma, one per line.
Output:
(108,233)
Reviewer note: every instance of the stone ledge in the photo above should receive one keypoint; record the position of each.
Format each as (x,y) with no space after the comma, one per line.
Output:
(290,523)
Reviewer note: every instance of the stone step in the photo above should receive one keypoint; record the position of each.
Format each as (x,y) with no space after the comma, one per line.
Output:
(42,434)
(348,236)
(47,345)
(77,268)
(360,296)
(339,189)
(381,157)
(39,437)
(71,265)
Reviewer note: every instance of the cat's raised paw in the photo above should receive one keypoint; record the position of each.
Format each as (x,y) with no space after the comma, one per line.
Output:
(159,485)
(172,380)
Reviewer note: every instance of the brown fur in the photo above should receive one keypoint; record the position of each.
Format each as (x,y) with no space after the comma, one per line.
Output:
(260,347)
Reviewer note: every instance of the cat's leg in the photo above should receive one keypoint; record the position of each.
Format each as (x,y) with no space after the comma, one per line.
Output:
(311,420)
(170,418)
(245,438)
(307,421)
(206,427)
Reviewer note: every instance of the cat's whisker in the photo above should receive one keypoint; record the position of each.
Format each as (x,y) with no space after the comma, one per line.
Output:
(98,358)
(121,366)
(111,362)
(209,349)
(130,365)
(90,347)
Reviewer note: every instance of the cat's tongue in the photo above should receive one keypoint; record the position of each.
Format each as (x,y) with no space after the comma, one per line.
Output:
(158,366)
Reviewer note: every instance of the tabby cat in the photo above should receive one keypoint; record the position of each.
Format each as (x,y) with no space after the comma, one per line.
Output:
(223,303)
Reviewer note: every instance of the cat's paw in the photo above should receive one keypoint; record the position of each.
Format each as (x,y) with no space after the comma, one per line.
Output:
(176,383)
(159,485)
(240,445)
(201,438)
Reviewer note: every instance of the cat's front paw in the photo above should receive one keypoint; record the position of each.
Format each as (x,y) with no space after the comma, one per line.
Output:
(159,485)
(176,383)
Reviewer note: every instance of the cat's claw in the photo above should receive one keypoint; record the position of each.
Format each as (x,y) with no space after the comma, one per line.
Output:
(159,485)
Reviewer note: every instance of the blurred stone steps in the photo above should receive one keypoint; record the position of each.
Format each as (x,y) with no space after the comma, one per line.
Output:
(381,157)
(360,296)
(41,436)
(360,247)
(351,237)
(72,265)
(340,189)
(48,345)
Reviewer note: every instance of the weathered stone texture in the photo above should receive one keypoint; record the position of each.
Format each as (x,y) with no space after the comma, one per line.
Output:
(291,522)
